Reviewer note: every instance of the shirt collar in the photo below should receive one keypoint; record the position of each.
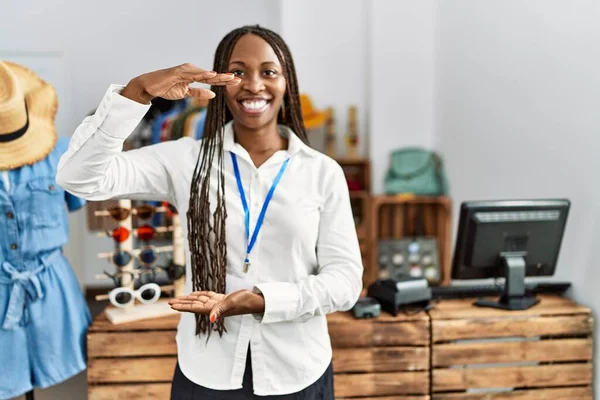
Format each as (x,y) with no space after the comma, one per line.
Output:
(295,144)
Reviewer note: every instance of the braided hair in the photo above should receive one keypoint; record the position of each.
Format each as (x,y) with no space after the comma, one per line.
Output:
(207,238)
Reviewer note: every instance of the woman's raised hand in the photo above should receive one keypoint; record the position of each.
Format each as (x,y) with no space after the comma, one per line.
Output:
(174,83)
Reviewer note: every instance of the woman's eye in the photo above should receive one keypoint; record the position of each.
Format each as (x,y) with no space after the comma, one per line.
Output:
(270,72)
(237,72)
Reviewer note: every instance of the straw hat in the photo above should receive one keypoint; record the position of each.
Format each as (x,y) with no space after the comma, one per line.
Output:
(27,109)
(313,118)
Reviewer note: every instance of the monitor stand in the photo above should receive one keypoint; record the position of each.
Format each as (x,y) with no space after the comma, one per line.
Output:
(514,297)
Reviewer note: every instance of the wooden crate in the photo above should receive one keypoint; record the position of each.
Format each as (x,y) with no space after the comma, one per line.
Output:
(541,353)
(131,361)
(387,220)
(385,356)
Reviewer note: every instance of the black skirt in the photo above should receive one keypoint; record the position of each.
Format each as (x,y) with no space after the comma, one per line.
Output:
(184,389)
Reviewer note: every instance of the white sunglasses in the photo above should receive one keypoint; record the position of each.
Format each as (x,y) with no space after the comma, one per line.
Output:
(123,297)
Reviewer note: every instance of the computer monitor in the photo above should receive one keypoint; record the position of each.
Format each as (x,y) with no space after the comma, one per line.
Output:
(511,239)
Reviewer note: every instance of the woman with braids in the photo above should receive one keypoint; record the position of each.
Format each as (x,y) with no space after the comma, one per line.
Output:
(271,244)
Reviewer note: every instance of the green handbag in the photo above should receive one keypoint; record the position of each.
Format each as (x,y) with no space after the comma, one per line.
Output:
(416,170)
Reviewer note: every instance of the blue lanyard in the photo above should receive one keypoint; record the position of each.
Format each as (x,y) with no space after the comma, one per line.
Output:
(261,216)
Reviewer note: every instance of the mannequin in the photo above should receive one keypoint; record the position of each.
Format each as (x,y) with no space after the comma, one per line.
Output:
(41,340)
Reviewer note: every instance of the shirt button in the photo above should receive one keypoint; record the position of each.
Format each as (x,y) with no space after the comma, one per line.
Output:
(14,246)
(10,215)
(51,187)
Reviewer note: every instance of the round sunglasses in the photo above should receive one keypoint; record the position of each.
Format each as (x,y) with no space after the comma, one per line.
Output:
(120,214)
(123,297)
(169,209)
(145,233)
(117,277)
(144,211)
(147,256)
(143,275)
(174,271)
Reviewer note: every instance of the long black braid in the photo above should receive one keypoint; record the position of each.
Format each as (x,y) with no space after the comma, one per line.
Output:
(207,239)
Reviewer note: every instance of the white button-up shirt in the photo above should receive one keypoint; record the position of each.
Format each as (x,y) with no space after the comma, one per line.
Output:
(306,260)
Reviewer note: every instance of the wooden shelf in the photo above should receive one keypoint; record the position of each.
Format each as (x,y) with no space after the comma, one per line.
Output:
(358,171)
(359,194)
(387,221)
(352,161)
(361,231)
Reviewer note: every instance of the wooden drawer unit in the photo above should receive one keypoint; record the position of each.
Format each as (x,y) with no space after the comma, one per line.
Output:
(385,356)
(131,361)
(484,353)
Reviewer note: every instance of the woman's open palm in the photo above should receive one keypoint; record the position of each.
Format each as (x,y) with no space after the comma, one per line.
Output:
(218,305)
(197,302)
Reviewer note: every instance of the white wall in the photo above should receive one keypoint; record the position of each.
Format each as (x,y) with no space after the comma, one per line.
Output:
(378,55)
(401,86)
(89,45)
(328,40)
(517,90)
(517,113)
(112,41)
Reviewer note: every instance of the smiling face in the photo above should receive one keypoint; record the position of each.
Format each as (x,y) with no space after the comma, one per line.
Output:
(256,101)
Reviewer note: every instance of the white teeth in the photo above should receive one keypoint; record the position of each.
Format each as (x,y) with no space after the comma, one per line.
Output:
(254,104)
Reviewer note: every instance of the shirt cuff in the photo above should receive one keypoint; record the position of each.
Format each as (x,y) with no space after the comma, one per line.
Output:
(281,301)
(119,114)
(258,317)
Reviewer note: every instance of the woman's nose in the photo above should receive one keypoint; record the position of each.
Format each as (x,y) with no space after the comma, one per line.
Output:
(253,83)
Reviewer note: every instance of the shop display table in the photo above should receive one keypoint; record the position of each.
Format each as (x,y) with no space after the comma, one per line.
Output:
(456,351)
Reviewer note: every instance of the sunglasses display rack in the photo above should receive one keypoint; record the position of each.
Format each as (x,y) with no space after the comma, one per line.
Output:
(130,304)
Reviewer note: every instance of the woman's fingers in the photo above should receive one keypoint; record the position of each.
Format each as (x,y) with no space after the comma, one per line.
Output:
(202,76)
(190,299)
(201,93)
(185,301)
(218,79)
(191,73)
(183,298)
(193,307)
(208,293)
(188,71)
(192,296)
(201,302)
(233,82)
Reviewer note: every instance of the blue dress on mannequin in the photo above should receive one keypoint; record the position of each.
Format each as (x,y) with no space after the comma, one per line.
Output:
(43,313)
